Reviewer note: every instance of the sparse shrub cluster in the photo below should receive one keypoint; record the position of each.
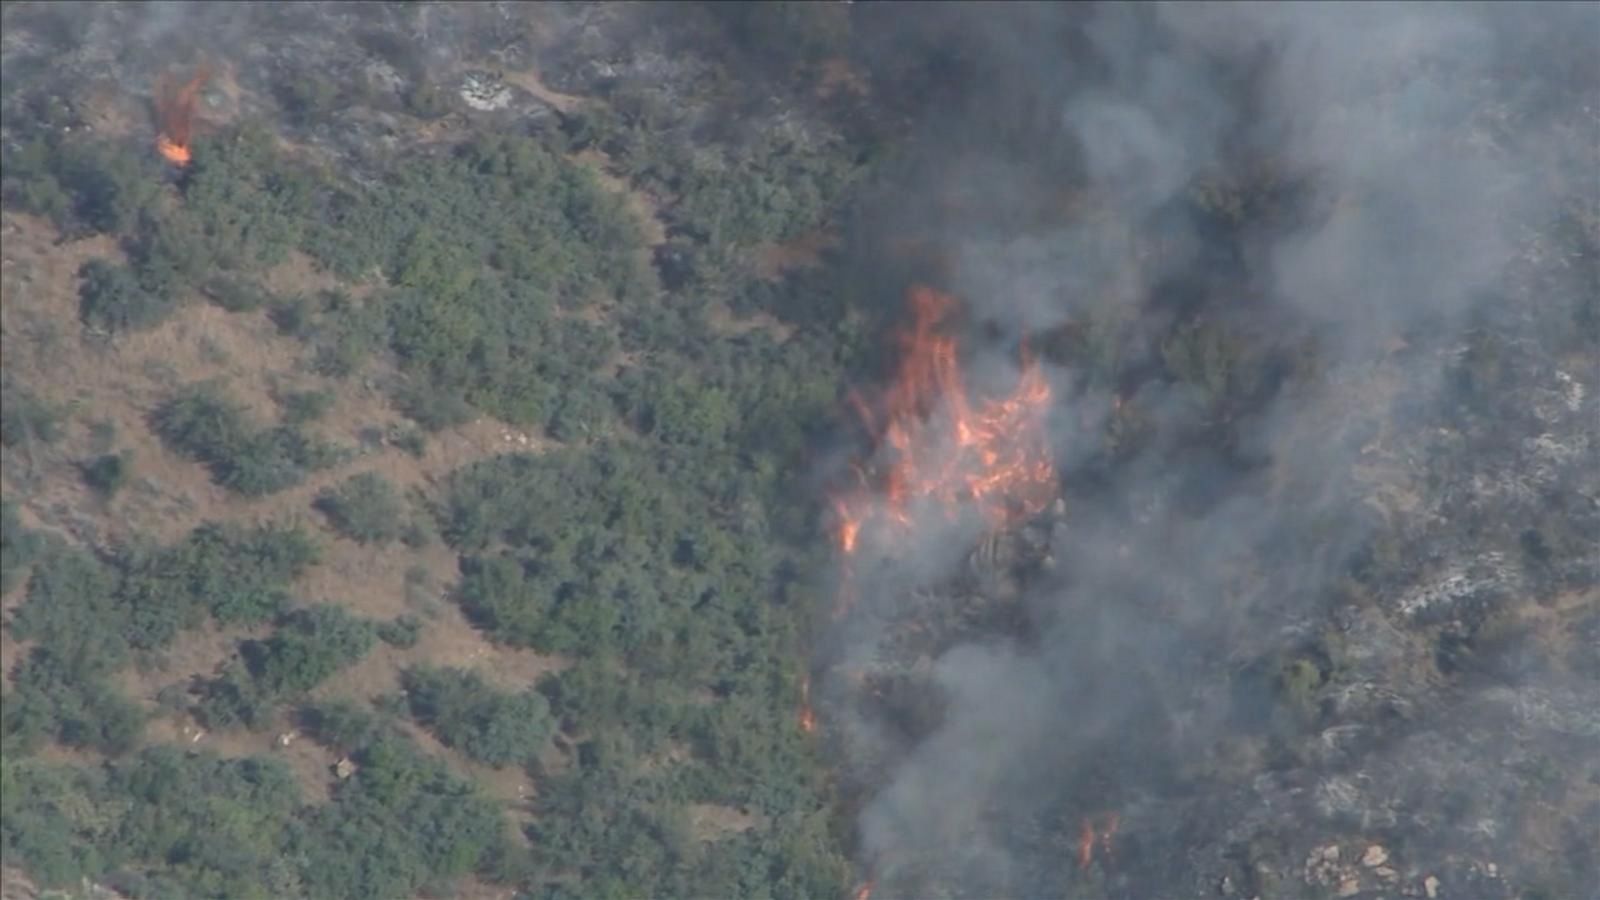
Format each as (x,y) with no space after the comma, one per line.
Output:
(365,508)
(308,646)
(111,299)
(491,726)
(24,416)
(204,425)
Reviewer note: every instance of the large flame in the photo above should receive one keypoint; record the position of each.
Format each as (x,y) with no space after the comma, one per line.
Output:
(942,444)
(175,105)
(935,443)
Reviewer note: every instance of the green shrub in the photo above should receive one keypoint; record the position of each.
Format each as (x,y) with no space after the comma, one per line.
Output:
(107,474)
(364,508)
(24,417)
(340,725)
(308,646)
(19,547)
(237,294)
(203,424)
(300,407)
(490,726)
(402,632)
(112,299)
(55,698)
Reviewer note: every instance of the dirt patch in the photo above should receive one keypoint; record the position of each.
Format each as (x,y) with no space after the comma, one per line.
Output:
(836,76)
(712,822)
(646,208)
(724,322)
(311,763)
(530,81)
(773,261)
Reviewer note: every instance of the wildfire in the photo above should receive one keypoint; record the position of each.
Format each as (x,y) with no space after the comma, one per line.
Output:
(863,892)
(808,717)
(1087,839)
(944,445)
(175,106)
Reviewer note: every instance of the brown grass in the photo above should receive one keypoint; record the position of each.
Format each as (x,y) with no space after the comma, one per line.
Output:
(124,381)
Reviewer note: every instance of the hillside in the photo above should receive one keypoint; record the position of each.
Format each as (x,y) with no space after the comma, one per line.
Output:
(799,450)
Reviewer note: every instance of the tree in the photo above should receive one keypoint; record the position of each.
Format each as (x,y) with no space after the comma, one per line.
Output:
(489,725)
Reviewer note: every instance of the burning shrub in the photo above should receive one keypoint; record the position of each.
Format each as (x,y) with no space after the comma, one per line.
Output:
(175,105)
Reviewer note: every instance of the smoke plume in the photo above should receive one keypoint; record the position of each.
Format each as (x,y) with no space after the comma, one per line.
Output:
(1346,192)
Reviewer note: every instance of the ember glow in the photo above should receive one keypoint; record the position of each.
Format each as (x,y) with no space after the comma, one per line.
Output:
(863,892)
(175,105)
(1088,837)
(940,444)
(808,716)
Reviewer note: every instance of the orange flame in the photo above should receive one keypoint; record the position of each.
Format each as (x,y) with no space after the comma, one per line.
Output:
(808,717)
(864,892)
(175,106)
(993,455)
(1087,839)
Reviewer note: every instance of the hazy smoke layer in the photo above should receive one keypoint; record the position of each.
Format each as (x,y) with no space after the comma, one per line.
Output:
(1350,185)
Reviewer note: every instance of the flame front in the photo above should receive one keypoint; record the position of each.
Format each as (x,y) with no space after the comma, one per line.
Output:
(175,107)
(943,445)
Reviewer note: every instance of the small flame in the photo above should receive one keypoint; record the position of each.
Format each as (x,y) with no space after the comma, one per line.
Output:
(1087,839)
(808,717)
(175,105)
(864,892)
(176,154)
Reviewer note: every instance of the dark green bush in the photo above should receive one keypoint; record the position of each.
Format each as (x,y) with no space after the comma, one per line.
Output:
(308,646)
(112,299)
(24,417)
(490,726)
(402,632)
(365,508)
(203,424)
(300,407)
(107,474)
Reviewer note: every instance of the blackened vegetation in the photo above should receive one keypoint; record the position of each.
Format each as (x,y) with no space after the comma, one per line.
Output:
(1235,644)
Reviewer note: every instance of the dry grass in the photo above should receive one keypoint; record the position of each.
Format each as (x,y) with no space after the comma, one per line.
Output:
(123,382)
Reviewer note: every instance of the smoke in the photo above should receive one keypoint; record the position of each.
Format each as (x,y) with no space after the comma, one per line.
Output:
(1399,164)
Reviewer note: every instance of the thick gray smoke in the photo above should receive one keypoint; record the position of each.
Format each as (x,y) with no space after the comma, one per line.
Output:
(1174,661)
